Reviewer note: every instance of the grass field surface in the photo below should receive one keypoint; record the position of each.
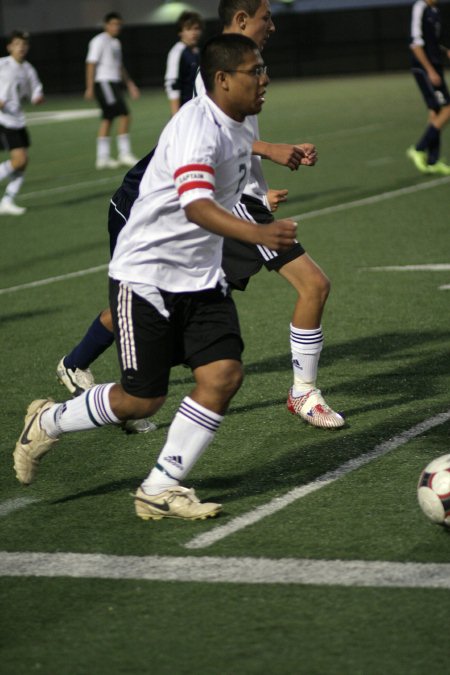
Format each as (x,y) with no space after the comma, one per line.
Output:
(322,561)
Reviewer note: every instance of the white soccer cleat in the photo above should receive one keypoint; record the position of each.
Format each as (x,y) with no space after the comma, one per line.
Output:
(128,160)
(312,408)
(142,426)
(175,502)
(33,443)
(10,208)
(107,163)
(77,381)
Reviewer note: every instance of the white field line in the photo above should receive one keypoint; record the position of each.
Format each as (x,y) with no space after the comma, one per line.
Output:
(207,569)
(433,267)
(62,189)
(53,280)
(445,287)
(278,503)
(34,118)
(11,505)
(303,216)
(383,196)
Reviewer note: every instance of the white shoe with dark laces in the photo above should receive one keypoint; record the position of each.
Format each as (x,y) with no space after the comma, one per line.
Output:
(77,381)
(175,502)
(33,443)
(312,408)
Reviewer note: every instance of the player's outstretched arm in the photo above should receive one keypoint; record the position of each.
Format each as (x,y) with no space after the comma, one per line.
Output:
(286,154)
(206,213)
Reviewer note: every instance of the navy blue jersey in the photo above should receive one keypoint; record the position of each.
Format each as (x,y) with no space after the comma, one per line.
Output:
(426,31)
(181,70)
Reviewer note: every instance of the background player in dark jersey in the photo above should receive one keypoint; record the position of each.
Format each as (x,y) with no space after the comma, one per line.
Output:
(427,55)
(253,19)
(183,61)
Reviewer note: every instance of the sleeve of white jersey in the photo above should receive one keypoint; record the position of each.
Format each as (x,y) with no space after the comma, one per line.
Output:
(193,157)
(173,71)
(94,50)
(416,24)
(34,83)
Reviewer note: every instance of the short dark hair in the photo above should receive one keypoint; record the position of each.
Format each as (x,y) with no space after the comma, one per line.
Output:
(189,19)
(18,35)
(223,52)
(112,15)
(228,8)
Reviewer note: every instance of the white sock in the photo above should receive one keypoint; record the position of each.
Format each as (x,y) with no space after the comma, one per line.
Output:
(6,169)
(306,346)
(88,411)
(123,145)
(192,430)
(14,186)
(103,147)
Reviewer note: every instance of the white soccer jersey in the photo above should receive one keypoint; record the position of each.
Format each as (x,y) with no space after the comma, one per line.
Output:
(106,52)
(202,153)
(256,185)
(18,81)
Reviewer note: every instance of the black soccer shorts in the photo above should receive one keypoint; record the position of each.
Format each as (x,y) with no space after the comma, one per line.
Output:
(435,97)
(10,139)
(110,99)
(241,261)
(198,328)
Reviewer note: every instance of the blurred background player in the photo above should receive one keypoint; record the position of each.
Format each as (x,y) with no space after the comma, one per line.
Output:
(253,19)
(183,61)
(18,81)
(169,298)
(105,76)
(427,55)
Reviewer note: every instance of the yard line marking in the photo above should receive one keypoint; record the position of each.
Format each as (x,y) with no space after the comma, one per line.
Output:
(302,216)
(445,287)
(34,118)
(12,505)
(278,503)
(52,280)
(71,188)
(208,569)
(383,196)
(434,267)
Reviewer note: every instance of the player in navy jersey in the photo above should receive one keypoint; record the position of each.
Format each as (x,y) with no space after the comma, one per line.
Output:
(427,56)
(168,294)
(183,61)
(253,19)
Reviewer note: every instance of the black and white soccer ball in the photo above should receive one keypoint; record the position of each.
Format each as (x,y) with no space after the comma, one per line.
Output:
(433,490)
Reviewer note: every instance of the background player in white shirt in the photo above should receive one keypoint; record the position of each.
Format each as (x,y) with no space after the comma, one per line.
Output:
(18,81)
(168,294)
(105,75)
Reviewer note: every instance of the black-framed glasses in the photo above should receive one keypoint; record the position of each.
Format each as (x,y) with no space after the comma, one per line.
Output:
(254,72)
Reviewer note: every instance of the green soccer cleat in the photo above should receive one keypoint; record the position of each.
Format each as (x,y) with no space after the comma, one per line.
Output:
(418,158)
(175,502)
(440,168)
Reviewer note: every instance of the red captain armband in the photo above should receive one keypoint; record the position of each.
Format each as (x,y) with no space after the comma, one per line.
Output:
(194,176)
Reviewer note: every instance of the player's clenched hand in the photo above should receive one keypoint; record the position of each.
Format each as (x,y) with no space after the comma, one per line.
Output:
(275,197)
(310,156)
(286,155)
(278,235)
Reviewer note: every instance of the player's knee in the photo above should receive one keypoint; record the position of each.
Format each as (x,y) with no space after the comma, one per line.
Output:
(19,163)
(228,380)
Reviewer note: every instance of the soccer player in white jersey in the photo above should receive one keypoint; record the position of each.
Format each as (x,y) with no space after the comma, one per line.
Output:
(168,294)
(105,74)
(18,81)
(183,61)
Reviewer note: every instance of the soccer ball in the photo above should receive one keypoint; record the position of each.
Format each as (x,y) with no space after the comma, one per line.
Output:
(433,490)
